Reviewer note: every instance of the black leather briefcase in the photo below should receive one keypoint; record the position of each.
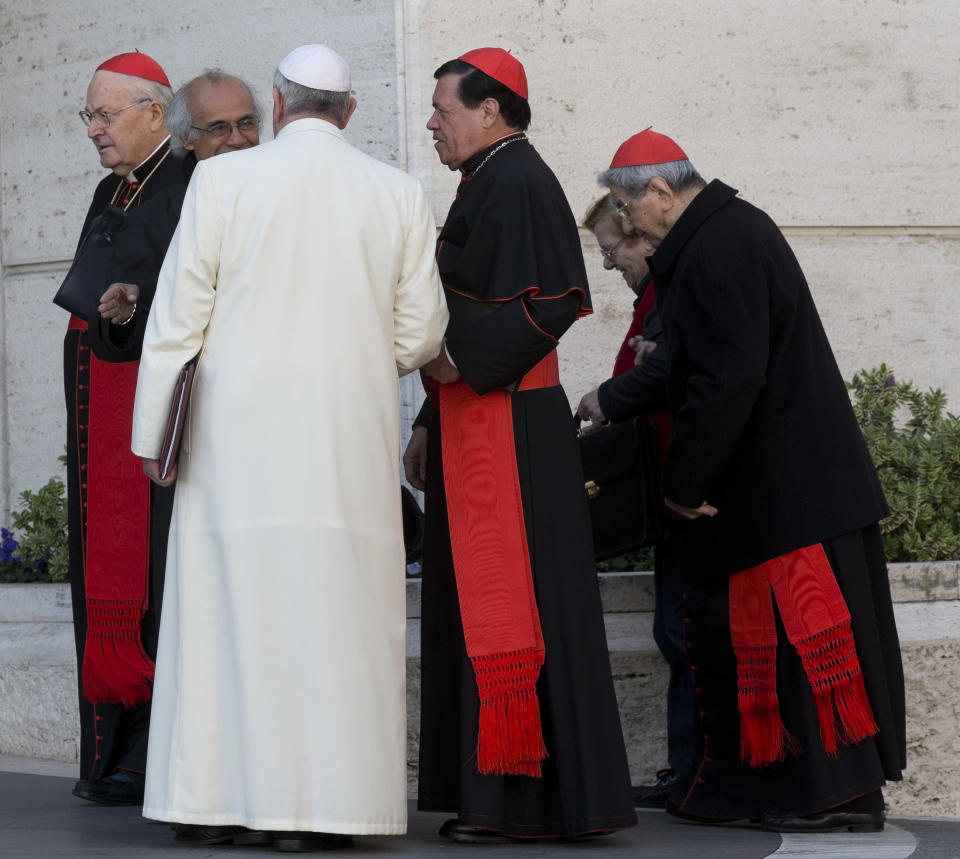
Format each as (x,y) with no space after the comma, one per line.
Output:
(87,279)
(622,484)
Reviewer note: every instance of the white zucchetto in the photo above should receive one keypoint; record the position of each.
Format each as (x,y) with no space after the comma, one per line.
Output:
(317,67)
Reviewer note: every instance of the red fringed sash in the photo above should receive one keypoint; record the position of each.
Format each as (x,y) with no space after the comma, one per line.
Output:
(491,560)
(817,624)
(116,668)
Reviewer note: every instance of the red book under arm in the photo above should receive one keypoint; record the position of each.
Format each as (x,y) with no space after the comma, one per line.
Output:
(177,416)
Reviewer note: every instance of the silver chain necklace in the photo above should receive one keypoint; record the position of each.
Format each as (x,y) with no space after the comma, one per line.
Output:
(495,150)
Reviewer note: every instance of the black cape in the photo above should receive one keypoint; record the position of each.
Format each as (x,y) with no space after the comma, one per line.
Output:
(510,237)
(112,737)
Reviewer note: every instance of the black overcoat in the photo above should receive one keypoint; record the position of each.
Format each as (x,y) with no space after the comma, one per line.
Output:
(763,428)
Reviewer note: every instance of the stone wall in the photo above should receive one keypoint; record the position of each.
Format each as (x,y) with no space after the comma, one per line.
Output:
(837,116)
(38,678)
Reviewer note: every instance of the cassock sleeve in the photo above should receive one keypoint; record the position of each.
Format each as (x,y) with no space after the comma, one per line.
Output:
(424,416)
(181,310)
(419,309)
(501,344)
(642,388)
(722,320)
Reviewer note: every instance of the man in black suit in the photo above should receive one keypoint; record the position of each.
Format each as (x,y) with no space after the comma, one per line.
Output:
(790,627)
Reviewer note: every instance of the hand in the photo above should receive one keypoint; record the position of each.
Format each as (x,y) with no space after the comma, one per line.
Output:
(641,347)
(151,468)
(119,302)
(589,409)
(415,459)
(441,369)
(692,512)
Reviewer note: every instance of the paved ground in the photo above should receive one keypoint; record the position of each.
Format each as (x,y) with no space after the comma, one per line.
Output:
(39,819)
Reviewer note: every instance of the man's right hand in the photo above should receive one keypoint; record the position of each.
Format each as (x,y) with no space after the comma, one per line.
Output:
(119,302)
(415,459)
(441,368)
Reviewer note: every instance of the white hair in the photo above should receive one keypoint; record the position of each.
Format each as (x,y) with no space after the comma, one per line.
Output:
(300,99)
(679,175)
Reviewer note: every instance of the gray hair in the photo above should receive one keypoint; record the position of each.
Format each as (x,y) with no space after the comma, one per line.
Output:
(153,90)
(299,99)
(179,118)
(679,175)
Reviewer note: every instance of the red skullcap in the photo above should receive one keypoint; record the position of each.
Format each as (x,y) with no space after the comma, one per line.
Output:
(647,147)
(136,65)
(501,65)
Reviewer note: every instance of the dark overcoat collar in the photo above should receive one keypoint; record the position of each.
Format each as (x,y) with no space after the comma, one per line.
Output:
(702,206)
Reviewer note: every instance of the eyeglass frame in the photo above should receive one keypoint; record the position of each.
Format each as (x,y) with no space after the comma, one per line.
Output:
(230,126)
(607,253)
(623,209)
(103,118)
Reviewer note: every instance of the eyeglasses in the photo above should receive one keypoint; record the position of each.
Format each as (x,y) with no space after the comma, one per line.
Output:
(246,125)
(607,253)
(623,209)
(103,118)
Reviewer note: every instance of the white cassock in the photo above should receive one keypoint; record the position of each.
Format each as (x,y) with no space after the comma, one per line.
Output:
(305,271)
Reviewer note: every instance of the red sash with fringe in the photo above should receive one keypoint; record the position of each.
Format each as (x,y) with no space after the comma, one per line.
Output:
(817,623)
(116,668)
(491,559)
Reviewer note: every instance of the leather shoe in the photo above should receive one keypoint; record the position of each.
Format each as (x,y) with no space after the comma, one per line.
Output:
(201,834)
(655,795)
(826,821)
(119,788)
(674,811)
(464,833)
(307,842)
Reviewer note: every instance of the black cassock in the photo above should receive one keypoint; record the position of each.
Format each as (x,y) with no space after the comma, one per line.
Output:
(111,736)
(510,237)
(763,430)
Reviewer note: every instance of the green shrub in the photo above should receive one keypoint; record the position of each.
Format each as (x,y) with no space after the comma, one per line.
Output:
(640,559)
(915,445)
(43,551)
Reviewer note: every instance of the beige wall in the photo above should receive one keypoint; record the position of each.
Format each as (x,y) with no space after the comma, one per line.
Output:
(839,117)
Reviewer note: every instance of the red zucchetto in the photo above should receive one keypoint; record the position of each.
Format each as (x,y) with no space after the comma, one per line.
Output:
(136,65)
(501,65)
(647,147)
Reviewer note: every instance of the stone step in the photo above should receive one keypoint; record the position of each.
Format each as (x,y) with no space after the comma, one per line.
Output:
(38,715)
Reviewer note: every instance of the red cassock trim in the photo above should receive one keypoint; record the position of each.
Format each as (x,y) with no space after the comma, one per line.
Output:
(532,292)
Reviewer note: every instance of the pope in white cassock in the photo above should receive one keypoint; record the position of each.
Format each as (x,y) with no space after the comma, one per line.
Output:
(303,272)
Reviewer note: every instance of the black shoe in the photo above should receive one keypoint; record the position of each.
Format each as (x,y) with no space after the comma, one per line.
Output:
(674,811)
(825,821)
(119,788)
(201,834)
(464,833)
(655,795)
(860,814)
(307,842)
